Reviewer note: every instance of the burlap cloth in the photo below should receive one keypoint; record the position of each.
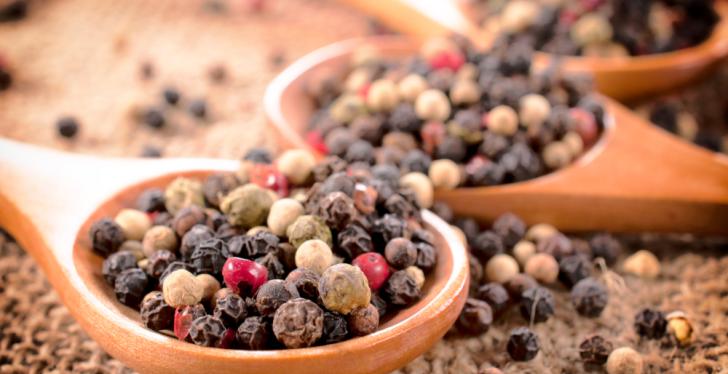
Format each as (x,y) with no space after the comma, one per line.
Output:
(38,335)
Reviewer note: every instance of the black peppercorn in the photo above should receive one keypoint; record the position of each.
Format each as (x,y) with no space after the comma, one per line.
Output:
(196,235)
(387,228)
(230,309)
(400,253)
(156,314)
(106,236)
(335,329)
(650,324)
(523,344)
(401,288)
(443,211)
(606,247)
(186,218)
(360,151)
(595,350)
(150,151)
(557,245)
(574,268)
(380,303)
(130,287)
(258,156)
(67,127)
(6,80)
(426,256)
(470,228)
(227,231)
(13,10)
(510,228)
(484,174)
(404,118)
(273,294)
(495,295)
(252,246)
(330,165)
(154,118)
(476,272)
(117,263)
(353,241)
(254,333)
(368,128)
(217,185)
(207,258)
(537,303)
(306,283)
(276,269)
(476,316)
(151,200)
(415,161)
(298,323)
(158,262)
(486,245)
(493,145)
(589,297)
(207,331)
(337,209)
(198,108)
(451,148)
(171,95)
(519,283)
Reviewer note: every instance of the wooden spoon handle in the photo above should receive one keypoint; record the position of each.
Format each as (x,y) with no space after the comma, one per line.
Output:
(53,192)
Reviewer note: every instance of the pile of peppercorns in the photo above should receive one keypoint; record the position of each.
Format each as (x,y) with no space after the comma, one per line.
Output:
(605,28)
(288,254)
(462,117)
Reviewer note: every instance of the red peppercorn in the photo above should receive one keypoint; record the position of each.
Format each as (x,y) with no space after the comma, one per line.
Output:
(316,141)
(268,176)
(244,276)
(374,267)
(452,60)
(585,125)
(432,134)
(183,317)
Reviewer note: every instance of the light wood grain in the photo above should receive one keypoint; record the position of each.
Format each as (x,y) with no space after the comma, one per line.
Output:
(49,200)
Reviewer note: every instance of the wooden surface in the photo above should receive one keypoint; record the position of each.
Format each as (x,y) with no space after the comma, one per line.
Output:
(82,57)
(53,223)
(636,178)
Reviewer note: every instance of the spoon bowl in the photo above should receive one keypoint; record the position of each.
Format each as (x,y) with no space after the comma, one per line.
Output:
(636,178)
(49,200)
(622,78)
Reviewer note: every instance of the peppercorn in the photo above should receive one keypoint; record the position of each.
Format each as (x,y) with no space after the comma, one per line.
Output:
(411,86)
(540,231)
(650,323)
(209,286)
(298,323)
(183,192)
(354,241)
(595,350)
(537,304)
(198,108)
(624,360)
(400,253)
(217,185)
(522,251)
(186,218)
(500,268)
(67,126)
(296,165)
(510,228)
(444,173)
(574,268)
(247,206)
(590,29)
(465,92)
(335,328)
(171,95)
(363,320)
(252,245)
(606,247)
(347,107)
(181,288)
(643,264)
(158,262)
(519,283)
(542,267)
(679,327)
(422,187)
(208,257)
(533,110)
(556,155)
(153,117)
(306,283)
(254,333)
(130,286)
(432,105)
(159,237)
(401,141)
(156,314)
(314,255)
(230,309)
(151,200)
(337,210)
(276,269)
(194,236)
(401,288)
(382,95)
(557,245)
(451,148)
(476,317)
(417,274)
(116,263)
(308,227)
(589,297)
(523,344)
(495,295)
(207,331)
(106,236)
(426,256)
(273,294)
(183,317)
(502,120)
(175,265)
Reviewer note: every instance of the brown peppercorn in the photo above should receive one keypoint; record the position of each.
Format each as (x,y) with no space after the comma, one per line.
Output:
(476,316)
(298,323)
(595,350)
(254,333)
(343,288)
(353,241)
(159,237)
(400,253)
(364,320)
(106,236)
(306,283)
(188,217)
(230,309)
(209,285)
(217,185)
(156,314)
(133,222)
(624,360)
(273,294)
(247,206)
(401,288)
(650,323)
(183,192)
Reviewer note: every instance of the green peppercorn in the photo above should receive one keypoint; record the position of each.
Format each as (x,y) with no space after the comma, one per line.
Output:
(308,227)
(247,206)
(183,192)
(343,288)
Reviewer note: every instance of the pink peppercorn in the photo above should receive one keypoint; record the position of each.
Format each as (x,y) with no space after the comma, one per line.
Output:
(432,134)
(452,60)
(316,141)
(244,275)
(375,268)
(183,317)
(586,125)
(228,339)
(268,176)
(475,163)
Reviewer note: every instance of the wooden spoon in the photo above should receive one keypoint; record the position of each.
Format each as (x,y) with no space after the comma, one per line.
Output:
(625,79)
(49,199)
(636,178)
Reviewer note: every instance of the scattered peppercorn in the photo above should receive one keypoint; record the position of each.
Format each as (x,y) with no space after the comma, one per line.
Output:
(67,127)
(537,304)
(495,295)
(589,297)
(643,264)
(476,316)
(523,344)
(606,247)
(595,350)
(624,360)
(650,324)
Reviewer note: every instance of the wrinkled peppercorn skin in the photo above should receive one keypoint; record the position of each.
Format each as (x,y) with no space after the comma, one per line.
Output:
(157,314)
(254,333)
(130,287)
(298,323)
(476,317)
(106,236)
(523,344)
(207,331)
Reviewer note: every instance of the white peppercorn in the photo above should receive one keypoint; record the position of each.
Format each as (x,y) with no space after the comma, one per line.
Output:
(556,155)
(465,92)
(574,143)
(411,86)
(314,255)
(422,186)
(209,285)
(296,165)
(523,250)
(282,214)
(500,268)
(445,173)
(643,264)
(592,28)
(533,110)
(382,95)
(432,105)
(624,360)
(502,120)
(159,237)
(134,223)
(181,288)
(542,267)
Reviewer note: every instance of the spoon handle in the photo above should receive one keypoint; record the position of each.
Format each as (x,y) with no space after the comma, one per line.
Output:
(46,194)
